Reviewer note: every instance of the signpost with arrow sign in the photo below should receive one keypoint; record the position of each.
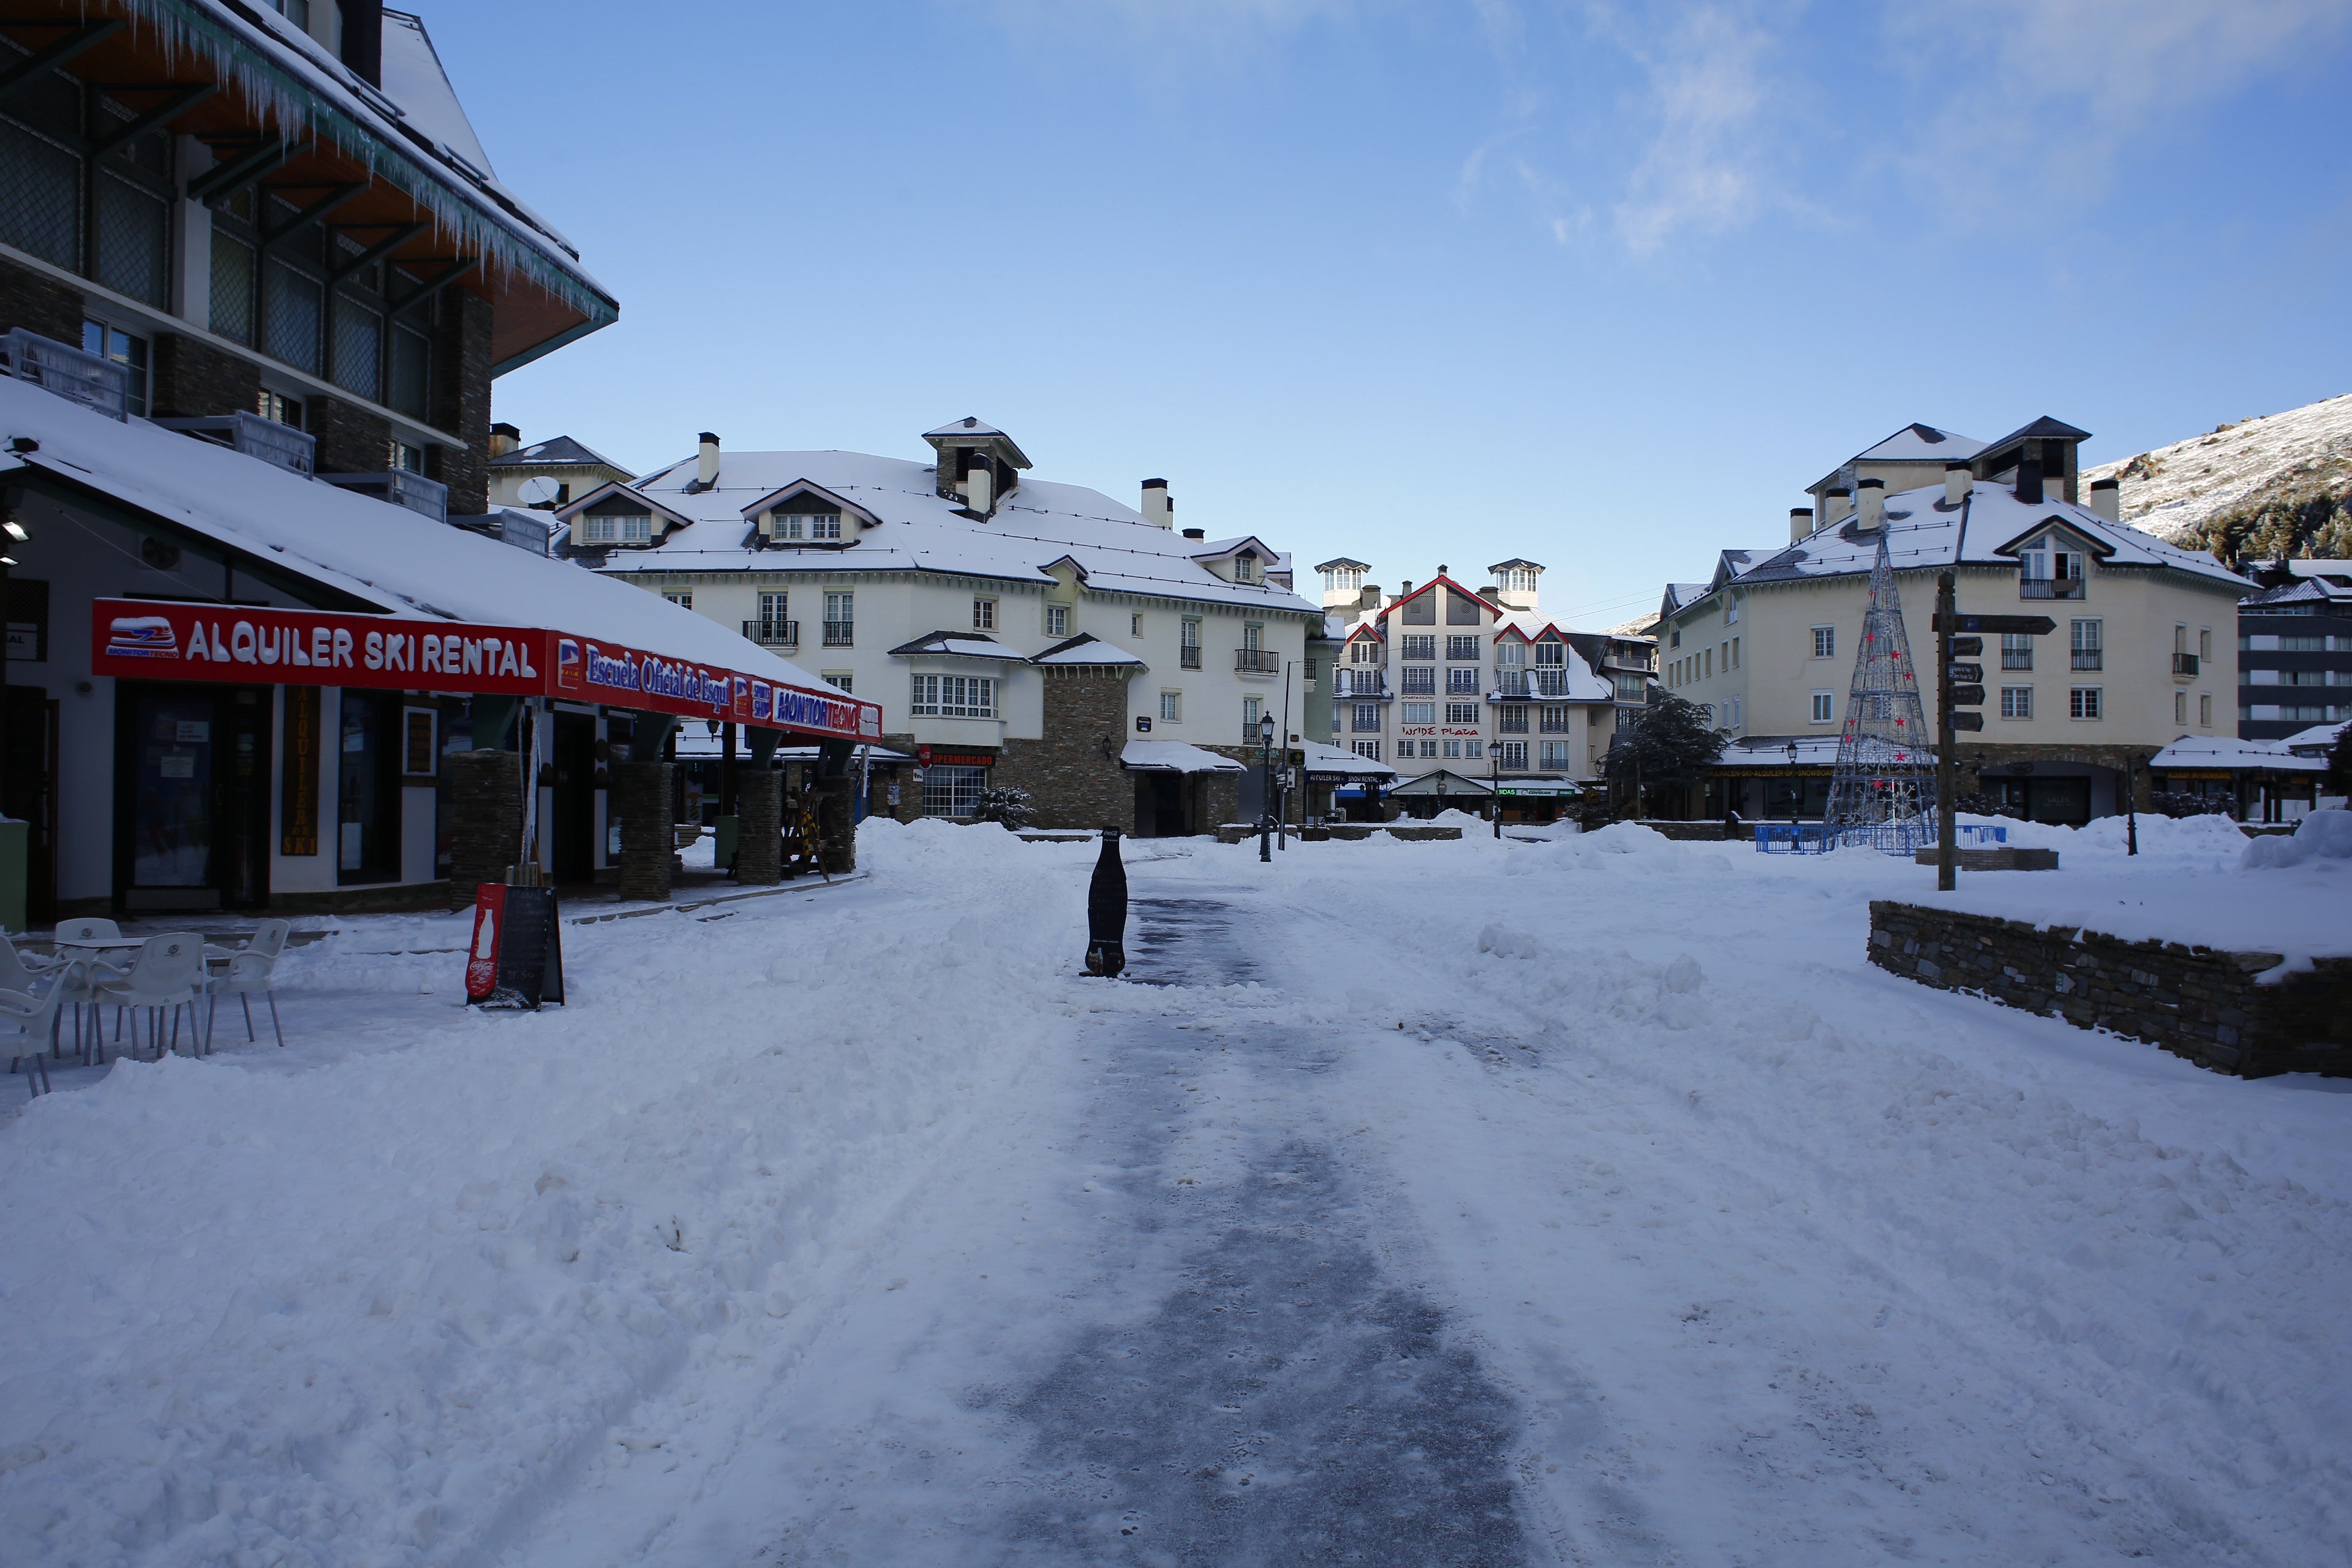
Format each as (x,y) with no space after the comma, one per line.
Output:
(1959,688)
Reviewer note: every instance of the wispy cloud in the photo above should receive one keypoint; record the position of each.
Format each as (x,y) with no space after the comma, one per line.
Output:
(2057,89)
(1703,170)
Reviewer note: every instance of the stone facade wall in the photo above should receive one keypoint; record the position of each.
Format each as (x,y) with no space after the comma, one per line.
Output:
(461,400)
(350,440)
(2195,1002)
(641,798)
(1071,772)
(39,304)
(195,380)
(485,820)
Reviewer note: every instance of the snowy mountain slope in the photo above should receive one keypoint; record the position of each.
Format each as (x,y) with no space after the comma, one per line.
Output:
(2277,485)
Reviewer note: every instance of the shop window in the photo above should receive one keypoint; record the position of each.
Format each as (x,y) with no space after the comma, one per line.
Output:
(952,790)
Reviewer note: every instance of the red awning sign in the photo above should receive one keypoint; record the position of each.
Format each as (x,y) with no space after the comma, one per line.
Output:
(145,640)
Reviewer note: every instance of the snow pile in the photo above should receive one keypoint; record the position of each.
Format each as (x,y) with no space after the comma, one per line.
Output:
(373,1311)
(2212,843)
(2320,838)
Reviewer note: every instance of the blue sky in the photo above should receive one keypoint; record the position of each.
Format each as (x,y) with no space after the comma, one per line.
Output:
(1429,281)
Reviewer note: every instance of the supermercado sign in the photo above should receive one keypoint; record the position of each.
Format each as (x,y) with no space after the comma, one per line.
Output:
(144,639)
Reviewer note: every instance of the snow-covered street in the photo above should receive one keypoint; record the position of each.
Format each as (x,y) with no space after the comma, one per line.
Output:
(1583,1200)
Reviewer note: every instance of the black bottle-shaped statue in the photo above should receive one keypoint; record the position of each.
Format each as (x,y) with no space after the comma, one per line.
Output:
(1107,911)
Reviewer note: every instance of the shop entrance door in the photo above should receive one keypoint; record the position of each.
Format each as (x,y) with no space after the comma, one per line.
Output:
(367,791)
(191,802)
(575,798)
(1159,804)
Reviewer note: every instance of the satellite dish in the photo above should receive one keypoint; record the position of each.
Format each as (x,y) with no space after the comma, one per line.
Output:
(539,490)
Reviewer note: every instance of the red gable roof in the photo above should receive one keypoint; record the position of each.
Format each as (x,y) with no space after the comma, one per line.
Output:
(1447,582)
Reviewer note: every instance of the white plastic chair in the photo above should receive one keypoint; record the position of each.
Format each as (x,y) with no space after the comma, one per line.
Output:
(167,974)
(38,1016)
(248,972)
(88,929)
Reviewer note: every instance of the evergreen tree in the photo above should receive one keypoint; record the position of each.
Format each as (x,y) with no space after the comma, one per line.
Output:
(1670,744)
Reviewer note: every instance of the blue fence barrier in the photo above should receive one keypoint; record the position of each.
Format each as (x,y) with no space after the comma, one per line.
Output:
(1814,839)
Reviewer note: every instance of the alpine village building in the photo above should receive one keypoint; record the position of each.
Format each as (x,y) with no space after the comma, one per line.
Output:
(257,279)
(1016,633)
(2145,651)
(1475,696)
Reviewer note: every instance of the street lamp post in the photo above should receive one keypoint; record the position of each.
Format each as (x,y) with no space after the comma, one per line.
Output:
(1266,793)
(1796,787)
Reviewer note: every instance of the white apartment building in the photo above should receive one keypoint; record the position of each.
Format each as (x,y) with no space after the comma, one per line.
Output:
(1015,631)
(1477,687)
(2145,651)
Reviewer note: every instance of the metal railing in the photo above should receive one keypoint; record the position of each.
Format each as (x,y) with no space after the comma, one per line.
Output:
(2184,663)
(2017,659)
(773,633)
(427,497)
(1368,680)
(91,380)
(1530,683)
(2089,658)
(2049,587)
(1256,661)
(840,633)
(1189,656)
(267,439)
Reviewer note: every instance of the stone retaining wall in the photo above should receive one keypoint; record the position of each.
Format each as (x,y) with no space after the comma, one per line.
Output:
(2196,1002)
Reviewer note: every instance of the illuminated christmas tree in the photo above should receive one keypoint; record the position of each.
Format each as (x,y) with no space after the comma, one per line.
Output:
(1882,794)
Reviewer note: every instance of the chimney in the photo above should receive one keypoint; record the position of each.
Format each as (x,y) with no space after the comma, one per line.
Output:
(1800,522)
(1491,594)
(504,438)
(1195,533)
(1404,589)
(363,38)
(1157,511)
(1959,479)
(706,467)
(1370,600)
(2107,498)
(980,486)
(1837,501)
(1873,505)
(2029,480)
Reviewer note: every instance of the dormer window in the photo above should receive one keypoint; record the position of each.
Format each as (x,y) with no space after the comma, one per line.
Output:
(617,529)
(1519,580)
(804,527)
(1551,653)
(1343,579)
(1246,567)
(2046,560)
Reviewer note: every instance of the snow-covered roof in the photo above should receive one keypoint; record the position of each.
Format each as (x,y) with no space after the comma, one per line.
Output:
(1174,757)
(1441,580)
(419,133)
(1922,531)
(1681,594)
(1452,782)
(1772,751)
(958,645)
(1584,685)
(1338,560)
(1323,759)
(2318,738)
(1086,648)
(377,557)
(1914,443)
(1035,524)
(2228,752)
(554,451)
(1517,561)
(2304,591)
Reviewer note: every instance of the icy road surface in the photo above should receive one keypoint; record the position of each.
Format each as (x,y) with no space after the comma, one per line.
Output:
(1584,1202)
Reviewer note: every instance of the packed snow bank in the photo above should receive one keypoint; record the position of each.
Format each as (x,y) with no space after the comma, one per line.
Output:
(2214,842)
(2324,835)
(374,1311)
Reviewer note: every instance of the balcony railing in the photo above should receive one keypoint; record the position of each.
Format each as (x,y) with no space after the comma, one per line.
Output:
(840,633)
(1189,656)
(2049,587)
(2185,665)
(427,497)
(2017,659)
(2090,658)
(1516,683)
(1257,661)
(773,633)
(91,380)
(1367,681)
(255,437)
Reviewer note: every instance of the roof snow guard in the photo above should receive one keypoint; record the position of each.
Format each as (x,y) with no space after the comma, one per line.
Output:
(288,78)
